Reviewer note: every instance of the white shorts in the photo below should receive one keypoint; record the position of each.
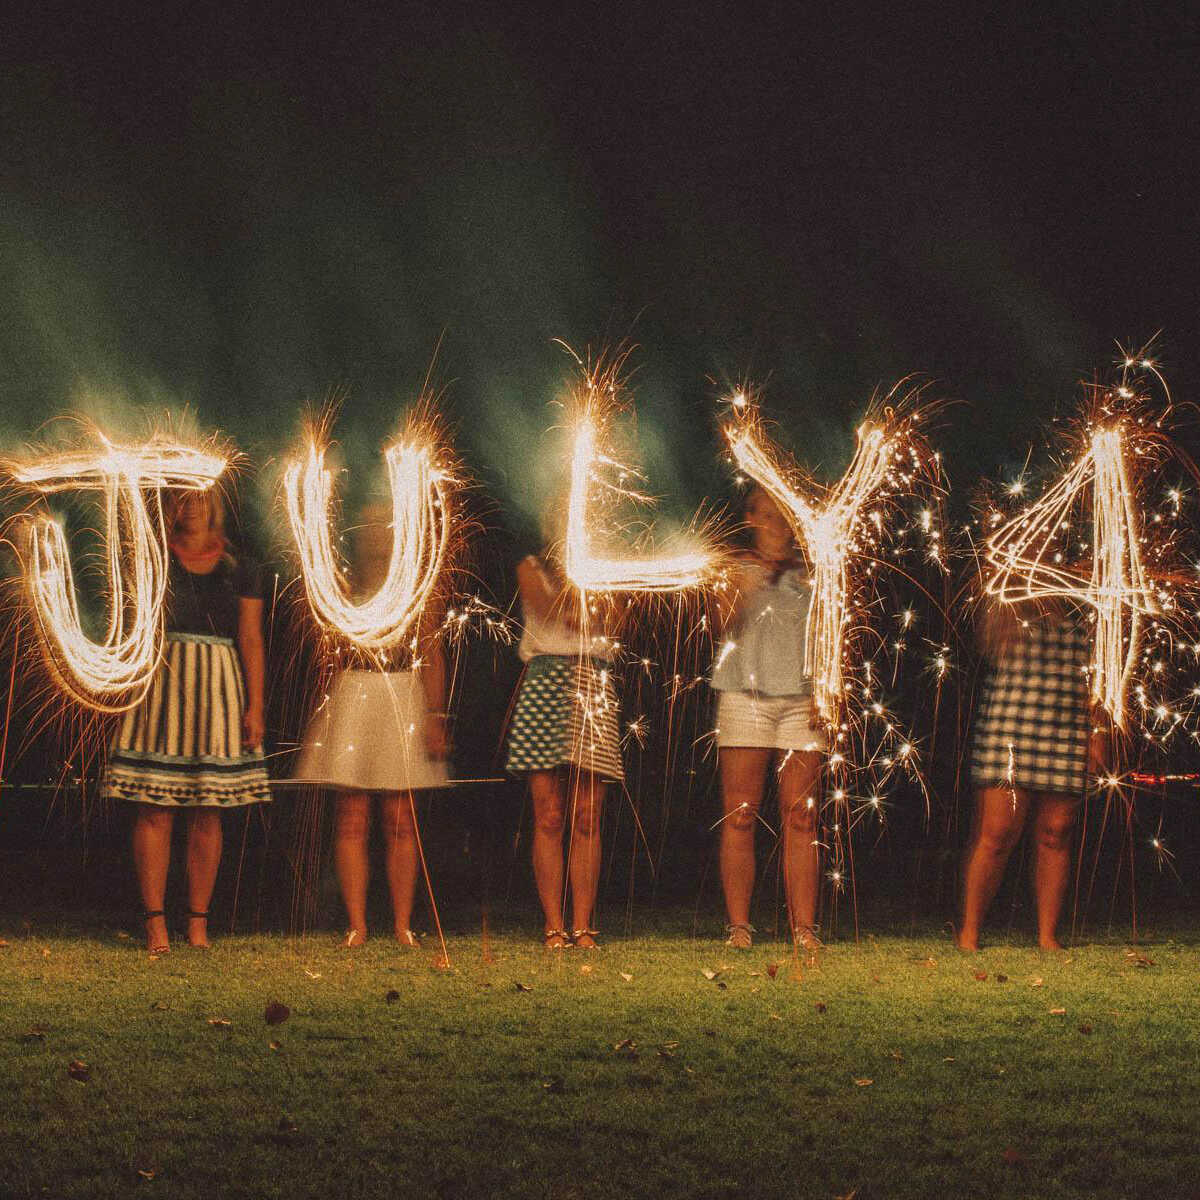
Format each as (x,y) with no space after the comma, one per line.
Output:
(768,722)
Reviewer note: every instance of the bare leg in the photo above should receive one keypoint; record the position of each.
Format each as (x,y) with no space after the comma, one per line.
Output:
(400,847)
(549,816)
(151,857)
(799,807)
(587,803)
(203,859)
(999,817)
(743,774)
(1053,823)
(352,823)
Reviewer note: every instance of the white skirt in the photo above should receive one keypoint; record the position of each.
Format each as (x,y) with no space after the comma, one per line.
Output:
(369,736)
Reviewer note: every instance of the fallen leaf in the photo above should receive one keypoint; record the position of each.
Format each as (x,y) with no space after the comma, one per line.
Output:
(626,1047)
(863,1082)
(928,962)
(1058,1012)
(35,1033)
(772,969)
(523,987)
(1037,982)
(45,952)
(220,1022)
(1012,1157)
(392,996)
(1139,960)
(708,974)
(876,979)
(275,1046)
(1001,978)
(147,1173)
(159,1006)
(312,974)
(628,978)
(3,943)
(586,969)
(774,1017)
(1085,1029)
(78,1069)
(276,1013)
(554,1086)
(950,1058)
(820,1006)
(981,975)
(896,1055)
(667,1050)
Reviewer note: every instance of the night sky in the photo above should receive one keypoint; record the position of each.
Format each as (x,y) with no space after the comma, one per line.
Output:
(240,213)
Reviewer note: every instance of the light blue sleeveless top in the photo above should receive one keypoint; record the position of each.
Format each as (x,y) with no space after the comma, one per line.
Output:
(767,655)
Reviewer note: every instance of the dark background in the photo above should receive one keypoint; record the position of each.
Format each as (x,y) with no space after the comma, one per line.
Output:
(238,213)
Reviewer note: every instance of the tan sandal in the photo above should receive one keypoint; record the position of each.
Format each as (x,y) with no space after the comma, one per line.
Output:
(590,934)
(354,939)
(163,947)
(556,939)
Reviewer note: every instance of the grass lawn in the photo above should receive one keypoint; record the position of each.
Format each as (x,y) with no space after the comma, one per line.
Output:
(887,1068)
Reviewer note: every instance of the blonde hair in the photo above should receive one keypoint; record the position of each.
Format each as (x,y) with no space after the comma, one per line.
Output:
(211,500)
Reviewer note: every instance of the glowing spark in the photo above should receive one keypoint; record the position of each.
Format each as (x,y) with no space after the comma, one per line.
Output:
(1026,567)
(590,569)
(111,674)
(827,533)
(420,535)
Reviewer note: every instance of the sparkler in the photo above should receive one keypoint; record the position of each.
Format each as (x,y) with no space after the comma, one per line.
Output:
(1027,565)
(112,674)
(589,560)
(421,525)
(830,524)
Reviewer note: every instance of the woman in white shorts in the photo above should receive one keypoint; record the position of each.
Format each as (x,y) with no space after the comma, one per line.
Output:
(764,717)
(379,735)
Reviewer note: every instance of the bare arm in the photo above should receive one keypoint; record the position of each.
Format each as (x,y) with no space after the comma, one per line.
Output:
(254,660)
(433,681)
(541,598)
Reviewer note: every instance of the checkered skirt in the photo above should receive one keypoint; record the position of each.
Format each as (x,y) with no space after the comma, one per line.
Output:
(1033,720)
(566,715)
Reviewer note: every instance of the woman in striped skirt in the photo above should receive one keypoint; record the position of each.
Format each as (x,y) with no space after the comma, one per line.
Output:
(565,736)
(195,740)
(1036,737)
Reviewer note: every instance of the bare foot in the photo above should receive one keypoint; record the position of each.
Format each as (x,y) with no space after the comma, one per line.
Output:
(407,939)
(197,932)
(354,938)
(157,941)
(1050,943)
(967,944)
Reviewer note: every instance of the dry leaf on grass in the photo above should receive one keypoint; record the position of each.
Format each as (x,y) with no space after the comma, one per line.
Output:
(1012,1157)
(276,1013)
(896,1054)
(1139,960)
(146,1173)
(312,974)
(1058,1012)
(159,1006)
(820,1006)
(626,1048)
(708,974)
(35,1033)
(628,978)
(274,1045)
(1037,981)
(220,1022)
(863,1082)
(523,987)
(586,969)
(981,975)
(78,1069)
(555,1086)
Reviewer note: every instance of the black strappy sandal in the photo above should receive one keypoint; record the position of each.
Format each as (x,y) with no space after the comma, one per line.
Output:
(147,917)
(199,916)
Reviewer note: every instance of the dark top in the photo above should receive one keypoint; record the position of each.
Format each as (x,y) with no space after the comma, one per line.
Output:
(208,604)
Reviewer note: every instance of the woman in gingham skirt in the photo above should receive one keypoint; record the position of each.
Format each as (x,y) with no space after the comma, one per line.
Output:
(1036,736)
(195,740)
(564,736)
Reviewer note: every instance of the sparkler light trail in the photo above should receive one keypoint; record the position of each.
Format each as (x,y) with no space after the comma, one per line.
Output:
(830,524)
(592,571)
(421,528)
(112,674)
(1027,561)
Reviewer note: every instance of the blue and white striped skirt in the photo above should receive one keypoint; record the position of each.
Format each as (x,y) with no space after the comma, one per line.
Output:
(182,745)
